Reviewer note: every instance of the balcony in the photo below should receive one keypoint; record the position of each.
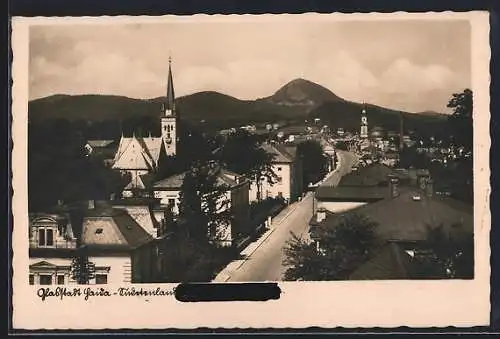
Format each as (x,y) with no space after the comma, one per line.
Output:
(55,244)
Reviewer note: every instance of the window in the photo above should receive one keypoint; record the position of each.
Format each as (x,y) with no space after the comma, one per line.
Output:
(279,169)
(171,202)
(41,237)
(164,128)
(32,279)
(45,237)
(168,135)
(60,279)
(101,279)
(45,279)
(50,238)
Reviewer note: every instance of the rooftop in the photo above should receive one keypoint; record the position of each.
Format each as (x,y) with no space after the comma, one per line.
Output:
(174,182)
(406,218)
(112,228)
(391,262)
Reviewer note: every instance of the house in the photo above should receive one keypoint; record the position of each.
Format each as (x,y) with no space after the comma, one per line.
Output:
(288,169)
(404,219)
(366,185)
(237,197)
(103,149)
(107,236)
(52,246)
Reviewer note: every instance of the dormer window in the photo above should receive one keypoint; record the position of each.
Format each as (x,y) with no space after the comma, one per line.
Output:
(98,231)
(45,237)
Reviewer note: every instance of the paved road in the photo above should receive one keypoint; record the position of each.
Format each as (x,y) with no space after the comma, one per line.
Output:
(262,260)
(347,160)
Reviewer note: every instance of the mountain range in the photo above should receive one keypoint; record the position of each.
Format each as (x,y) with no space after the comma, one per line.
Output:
(293,103)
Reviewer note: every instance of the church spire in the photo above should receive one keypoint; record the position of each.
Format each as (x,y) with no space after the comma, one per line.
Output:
(170,102)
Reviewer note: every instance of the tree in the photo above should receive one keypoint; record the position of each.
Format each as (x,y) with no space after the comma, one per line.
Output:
(411,158)
(59,167)
(448,256)
(314,161)
(82,269)
(461,126)
(204,204)
(460,121)
(242,153)
(342,248)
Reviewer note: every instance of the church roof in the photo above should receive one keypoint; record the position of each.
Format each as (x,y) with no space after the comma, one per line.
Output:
(138,153)
(170,104)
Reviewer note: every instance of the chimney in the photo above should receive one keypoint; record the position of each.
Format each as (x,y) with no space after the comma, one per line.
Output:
(393,186)
(429,188)
(320,215)
(91,204)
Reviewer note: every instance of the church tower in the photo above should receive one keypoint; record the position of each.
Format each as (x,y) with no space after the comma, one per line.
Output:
(364,125)
(169,116)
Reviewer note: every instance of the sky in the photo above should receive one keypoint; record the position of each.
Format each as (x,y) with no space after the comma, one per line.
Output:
(410,65)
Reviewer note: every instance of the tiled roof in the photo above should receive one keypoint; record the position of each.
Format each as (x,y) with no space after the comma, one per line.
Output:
(174,182)
(279,152)
(391,262)
(112,228)
(404,219)
(145,157)
(352,193)
(371,175)
(153,146)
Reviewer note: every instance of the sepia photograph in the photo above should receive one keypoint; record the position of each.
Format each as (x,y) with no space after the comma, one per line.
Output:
(251,150)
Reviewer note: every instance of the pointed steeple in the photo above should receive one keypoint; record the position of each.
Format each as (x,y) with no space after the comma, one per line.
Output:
(170,102)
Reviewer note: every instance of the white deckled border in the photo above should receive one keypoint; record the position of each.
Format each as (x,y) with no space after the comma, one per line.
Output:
(323,304)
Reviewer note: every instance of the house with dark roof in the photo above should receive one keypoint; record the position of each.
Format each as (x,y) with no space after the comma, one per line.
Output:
(404,219)
(103,149)
(366,185)
(237,197)
(107,235)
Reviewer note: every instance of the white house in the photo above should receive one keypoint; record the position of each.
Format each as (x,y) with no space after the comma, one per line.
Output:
(236,198)
(289,176)
(107,236)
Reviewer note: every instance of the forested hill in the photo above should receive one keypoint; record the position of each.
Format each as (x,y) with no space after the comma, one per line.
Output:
(296,101)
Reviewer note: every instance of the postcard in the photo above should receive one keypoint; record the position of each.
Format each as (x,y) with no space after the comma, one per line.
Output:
(343,157)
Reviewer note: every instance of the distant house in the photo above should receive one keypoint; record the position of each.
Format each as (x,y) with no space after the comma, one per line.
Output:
(288,168)
(103,149)
(168,191)
(108,236)
(404,219)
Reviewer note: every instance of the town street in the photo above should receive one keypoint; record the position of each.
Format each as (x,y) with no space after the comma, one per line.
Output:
(262,259)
